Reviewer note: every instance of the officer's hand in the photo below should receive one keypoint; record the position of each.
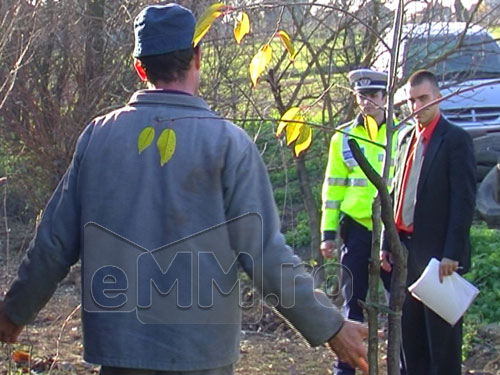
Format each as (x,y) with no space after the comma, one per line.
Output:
(446,268)
(349,345)
(8,330)
(327,248)
(386,260)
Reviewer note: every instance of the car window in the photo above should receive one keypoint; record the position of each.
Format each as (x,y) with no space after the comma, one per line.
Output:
(478,57)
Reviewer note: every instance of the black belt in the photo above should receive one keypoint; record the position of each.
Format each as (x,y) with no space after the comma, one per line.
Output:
(405,236)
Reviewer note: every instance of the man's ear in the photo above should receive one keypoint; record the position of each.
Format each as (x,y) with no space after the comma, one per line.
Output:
(140,70)
(197,57)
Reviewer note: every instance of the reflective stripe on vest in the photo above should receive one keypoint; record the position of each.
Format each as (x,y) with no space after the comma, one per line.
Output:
(332,181)
(334,205)
(357,182)
(381,159)
(351,163)
(347,154)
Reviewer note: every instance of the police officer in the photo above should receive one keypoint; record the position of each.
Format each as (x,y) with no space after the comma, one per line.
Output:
(348,194)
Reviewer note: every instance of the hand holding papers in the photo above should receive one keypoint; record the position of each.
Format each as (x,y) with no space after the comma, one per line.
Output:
(449,299)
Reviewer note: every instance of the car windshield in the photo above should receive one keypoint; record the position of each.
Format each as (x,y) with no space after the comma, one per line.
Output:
(478,57)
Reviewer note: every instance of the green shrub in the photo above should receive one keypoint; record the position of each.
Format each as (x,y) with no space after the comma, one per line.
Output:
(485,274)
(299,237)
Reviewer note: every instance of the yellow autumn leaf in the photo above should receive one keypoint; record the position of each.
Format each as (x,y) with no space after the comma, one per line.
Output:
(241,27)
(293,132)
(260,62)
(290,115)
(145,138)
(166,145)
(371,127)
(304,140)
(206,20)
(287,42)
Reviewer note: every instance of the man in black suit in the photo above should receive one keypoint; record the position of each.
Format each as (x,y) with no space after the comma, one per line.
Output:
(434,203)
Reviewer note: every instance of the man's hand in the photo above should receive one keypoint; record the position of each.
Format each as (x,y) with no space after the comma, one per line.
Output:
(327,248)
(386,261)
(446,268)
(349,346)
(8,330)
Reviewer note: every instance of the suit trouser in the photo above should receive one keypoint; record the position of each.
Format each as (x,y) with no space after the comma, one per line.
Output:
(356,253)
(431,345)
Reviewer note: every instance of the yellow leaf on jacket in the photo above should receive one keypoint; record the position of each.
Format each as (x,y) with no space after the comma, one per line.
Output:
(166,145)
(287,42)
(145,138)
(371,127)
(260,62)
(241,27)
(206,20)
(292,114)
(304,141)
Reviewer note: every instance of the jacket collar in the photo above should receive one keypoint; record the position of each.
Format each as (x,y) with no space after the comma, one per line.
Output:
(360,120)
(162,97)
(432,148)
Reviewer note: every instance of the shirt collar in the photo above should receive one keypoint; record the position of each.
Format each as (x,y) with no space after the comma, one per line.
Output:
(428,130)
(167,91)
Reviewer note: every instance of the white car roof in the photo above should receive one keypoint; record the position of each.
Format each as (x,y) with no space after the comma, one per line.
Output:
(441,28)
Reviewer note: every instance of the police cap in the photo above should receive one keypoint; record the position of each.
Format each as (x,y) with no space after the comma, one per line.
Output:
(363,80)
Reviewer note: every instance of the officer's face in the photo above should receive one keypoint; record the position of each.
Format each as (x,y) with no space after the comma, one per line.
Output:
(418,97)
(371,102)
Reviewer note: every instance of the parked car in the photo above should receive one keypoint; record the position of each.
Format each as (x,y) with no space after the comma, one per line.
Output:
(460,60)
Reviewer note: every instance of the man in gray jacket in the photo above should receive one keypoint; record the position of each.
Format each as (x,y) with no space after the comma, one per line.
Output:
(157,227)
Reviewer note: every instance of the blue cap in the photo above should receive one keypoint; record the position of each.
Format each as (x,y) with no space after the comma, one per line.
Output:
(161,29)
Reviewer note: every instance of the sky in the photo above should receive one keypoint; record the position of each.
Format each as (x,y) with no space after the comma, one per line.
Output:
(392,4)
(466,3)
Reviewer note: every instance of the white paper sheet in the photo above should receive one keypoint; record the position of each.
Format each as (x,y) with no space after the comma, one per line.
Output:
(449,299)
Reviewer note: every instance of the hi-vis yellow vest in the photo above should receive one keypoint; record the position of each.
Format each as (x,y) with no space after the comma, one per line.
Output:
(346,188)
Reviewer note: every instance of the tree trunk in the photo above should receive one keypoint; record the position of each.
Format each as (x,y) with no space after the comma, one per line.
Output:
(303,178)
(399,253)
(372,297)
(310,206)
(462,15)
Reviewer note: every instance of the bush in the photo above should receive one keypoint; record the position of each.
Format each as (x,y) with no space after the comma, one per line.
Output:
(485,274)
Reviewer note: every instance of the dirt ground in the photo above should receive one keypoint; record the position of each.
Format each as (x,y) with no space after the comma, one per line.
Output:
(267,348)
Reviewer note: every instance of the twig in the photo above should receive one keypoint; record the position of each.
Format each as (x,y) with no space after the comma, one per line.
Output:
(52,365)
(3,182)
(9,358)
(271,5)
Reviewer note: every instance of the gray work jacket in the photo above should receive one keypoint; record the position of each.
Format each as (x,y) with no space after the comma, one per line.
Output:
(115,204)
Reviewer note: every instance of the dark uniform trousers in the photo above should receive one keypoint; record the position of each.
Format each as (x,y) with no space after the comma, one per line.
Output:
(356,253)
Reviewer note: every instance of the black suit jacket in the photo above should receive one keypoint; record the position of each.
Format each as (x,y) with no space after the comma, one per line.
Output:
(445,197)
